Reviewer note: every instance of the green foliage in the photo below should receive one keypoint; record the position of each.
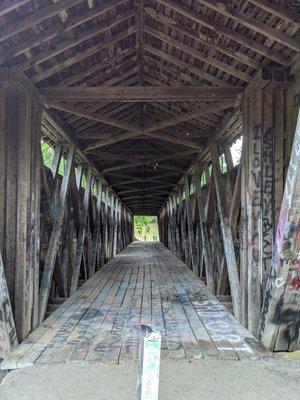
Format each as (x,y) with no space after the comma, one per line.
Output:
(61,168)
(192,188)
(47,153)
(203,179)
(83,181)
(223,165)
(142,223)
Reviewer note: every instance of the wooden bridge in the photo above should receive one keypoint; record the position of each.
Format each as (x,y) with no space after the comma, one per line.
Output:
(144,284)
(118,108)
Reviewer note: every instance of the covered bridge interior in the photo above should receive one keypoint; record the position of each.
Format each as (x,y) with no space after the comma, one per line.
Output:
(136,105)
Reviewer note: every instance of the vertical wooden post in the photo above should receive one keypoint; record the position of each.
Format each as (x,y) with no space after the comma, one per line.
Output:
(279,327)
(20,133)
(261,187)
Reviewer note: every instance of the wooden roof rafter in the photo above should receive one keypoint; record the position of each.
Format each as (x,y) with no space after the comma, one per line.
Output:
(86,50)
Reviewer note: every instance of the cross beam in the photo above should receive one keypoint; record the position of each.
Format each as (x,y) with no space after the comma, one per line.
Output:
(139,93)
(151,131)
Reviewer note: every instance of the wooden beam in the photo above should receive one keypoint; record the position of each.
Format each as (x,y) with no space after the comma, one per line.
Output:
(97,242)
(203,39)
(207,109)
(35,18)
(146,189)
(190,228)
(82,55)
(280,10)
(45,35)
(149,178)
(7,6)
(138,93)
(8,339)
(76,40)
(206,58)
(81,233)
(226,233)
(93,116)
(206,243)
(279,328)
(228,33)
(55,236)
(162,157)
(98,67)
(187,66)
(142,197)
(253,23)
(136,131)
(134,180)
(140,163)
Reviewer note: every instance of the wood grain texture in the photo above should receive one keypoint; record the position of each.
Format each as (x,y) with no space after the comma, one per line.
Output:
(144,284)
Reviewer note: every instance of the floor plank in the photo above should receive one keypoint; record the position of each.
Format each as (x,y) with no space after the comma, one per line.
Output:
(144,284)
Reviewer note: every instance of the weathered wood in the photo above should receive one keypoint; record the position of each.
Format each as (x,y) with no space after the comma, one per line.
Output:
(141,93)
(55,235)
(8,332)
(233,221)
(105,26)
(97,240)
(279,327)
(207,251)
(190,227)
(20,196)
(226,233)
(10,5)
(200,56)
(146,282)
(280,10)
(82,229)
(133,131)
(49,33)
(82,55)
(39,16)
(216,27)
(254,24)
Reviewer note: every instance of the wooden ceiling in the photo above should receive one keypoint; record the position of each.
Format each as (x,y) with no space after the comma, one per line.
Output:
(128,58)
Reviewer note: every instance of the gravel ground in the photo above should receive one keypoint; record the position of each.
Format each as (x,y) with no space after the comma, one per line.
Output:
(277,379)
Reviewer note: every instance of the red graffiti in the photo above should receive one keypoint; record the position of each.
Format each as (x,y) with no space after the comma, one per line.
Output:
(295,283)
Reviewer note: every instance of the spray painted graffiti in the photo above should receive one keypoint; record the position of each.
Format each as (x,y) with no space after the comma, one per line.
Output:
(282,296)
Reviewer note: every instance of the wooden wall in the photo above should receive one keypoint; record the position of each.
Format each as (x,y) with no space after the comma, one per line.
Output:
(20,132)
(225,230)
(58,224)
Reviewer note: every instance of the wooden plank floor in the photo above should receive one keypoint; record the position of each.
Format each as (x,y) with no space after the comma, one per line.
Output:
(147,284)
